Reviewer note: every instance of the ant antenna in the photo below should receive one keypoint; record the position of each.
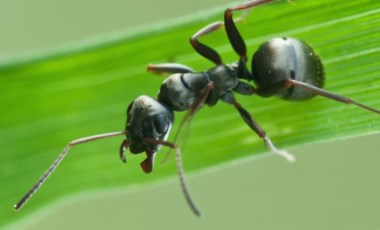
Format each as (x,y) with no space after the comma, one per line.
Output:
(333,96)
(181,173)
(55,164)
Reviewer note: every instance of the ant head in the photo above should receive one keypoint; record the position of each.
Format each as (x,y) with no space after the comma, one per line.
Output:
(281,59)
(147,118)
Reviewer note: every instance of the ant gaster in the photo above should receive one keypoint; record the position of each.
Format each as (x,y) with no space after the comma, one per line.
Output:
(284,67)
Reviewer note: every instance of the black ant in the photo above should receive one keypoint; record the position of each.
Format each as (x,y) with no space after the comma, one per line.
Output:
(284,67)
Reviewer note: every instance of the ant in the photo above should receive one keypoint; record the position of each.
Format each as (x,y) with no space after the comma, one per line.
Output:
(283,67)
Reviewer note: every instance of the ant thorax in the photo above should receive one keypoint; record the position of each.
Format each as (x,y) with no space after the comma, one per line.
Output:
(224,78)
(180,90)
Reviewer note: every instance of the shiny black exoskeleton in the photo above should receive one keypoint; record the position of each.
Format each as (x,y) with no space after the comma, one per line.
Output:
(282,59)
(146,117)
(283,67)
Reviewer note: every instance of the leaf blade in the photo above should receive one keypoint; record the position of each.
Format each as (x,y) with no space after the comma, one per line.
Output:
(57,98)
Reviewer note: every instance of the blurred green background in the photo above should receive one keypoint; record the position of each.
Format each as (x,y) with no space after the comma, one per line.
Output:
(334,185)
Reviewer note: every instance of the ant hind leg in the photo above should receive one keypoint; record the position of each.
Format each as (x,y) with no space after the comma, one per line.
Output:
(330,95)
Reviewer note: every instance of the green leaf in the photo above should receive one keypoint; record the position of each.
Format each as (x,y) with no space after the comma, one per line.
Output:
(48,101)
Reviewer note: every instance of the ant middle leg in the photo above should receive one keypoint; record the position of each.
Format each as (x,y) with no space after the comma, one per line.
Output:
(207,51)
(204,50)
(230,99)
(233,34)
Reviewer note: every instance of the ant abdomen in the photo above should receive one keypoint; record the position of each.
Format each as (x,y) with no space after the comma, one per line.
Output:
(282,59)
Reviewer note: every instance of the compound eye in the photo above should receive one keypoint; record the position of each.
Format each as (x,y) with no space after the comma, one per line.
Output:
(161,124)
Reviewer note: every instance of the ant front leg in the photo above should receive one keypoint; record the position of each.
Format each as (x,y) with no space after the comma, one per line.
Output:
(195,106)
(169,68)
(230,99)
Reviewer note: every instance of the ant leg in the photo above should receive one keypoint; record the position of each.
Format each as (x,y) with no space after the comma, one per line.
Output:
(235,38)
(261,133)
(233,34)
(230,99)
(169,68)
(197,104)
(181,173)
(210,53)
(248,5)
(55,164)
(204,50)
(330,95)
(244,88)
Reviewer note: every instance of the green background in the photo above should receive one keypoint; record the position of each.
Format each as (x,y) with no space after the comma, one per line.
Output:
(334,185)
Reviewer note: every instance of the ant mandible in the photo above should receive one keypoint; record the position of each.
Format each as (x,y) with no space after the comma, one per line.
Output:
(284,67)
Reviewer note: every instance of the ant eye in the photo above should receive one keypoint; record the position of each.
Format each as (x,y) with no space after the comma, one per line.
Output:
(161,124)
(292,74)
